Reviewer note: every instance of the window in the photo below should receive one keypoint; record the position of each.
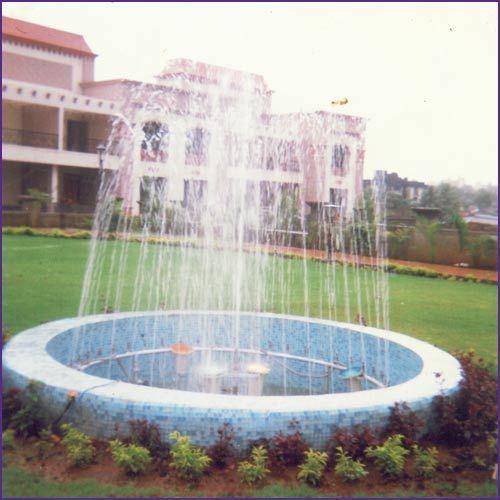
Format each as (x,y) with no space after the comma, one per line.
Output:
(338,197)
(77,136)
(153,194)
(154,146)
(196,146)
(251,194)
(71,190)
(195,194)
(256,152)
(268,192)
(288,156)
(271,154)
(340,159)
(234,150)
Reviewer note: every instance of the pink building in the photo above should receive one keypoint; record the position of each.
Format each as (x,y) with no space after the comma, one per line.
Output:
(199,125)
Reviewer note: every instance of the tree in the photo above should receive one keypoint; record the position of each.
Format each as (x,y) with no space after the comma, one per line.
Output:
(446,197)
(486,198)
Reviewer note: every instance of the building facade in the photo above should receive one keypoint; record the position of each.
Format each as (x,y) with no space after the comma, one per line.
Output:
(198,130)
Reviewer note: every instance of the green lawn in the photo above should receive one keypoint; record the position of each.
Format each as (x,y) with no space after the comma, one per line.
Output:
(42,281)
(19,483)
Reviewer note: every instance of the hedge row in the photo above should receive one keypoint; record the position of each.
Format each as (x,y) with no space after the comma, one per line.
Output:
(53,233)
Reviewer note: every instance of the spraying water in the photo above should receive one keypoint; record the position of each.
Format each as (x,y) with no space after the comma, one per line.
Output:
(219,205)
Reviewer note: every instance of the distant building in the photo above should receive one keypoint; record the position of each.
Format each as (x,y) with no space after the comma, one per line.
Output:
(411,191)
(473,216)
(55,114)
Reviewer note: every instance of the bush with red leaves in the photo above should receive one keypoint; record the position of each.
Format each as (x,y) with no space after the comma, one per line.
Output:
(406,422)
(223,451)
(288,449)
(353,441)
(471,414)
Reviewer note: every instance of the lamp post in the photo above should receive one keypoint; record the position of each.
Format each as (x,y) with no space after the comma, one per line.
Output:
(100,152)
(331,215)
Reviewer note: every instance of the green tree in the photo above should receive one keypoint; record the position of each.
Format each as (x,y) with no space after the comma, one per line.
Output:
(462,230)
(486,198)
(430,231)
(446,197)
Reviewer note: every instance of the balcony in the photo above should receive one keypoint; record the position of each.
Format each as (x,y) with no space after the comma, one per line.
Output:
(33,139)
(29,138)
(90,146)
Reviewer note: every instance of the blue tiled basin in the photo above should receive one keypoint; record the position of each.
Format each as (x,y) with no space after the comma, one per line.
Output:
(67,356)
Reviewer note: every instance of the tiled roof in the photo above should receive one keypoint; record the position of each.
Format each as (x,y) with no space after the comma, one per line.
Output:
(44,36)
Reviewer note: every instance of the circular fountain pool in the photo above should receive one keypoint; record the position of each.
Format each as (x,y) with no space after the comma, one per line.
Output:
(160,369)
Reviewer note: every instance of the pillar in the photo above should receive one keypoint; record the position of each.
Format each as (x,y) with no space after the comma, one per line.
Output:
(60,129)
(54,186)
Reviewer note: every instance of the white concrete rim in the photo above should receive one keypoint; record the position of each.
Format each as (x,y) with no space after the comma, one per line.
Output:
(26,355)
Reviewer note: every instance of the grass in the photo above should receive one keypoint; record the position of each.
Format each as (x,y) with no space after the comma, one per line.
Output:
(42,281)
(446,490)
(19,483)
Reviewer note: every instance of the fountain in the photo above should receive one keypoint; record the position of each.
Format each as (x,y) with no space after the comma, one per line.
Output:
(190,238)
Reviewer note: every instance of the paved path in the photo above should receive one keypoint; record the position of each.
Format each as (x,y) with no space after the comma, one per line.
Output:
(440,268)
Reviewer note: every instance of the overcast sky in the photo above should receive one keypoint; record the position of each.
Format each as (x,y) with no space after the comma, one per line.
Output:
(426,75)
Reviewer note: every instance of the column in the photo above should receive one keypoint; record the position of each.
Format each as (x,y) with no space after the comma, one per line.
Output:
(54,186)
(60,129)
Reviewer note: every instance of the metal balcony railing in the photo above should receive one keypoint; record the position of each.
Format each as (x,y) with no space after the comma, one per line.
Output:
(90,146)
(29,138)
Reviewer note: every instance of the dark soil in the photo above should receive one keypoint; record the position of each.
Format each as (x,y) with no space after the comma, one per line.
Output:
(456,466)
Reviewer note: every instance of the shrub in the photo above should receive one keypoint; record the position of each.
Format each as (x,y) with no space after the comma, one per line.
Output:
(264,442)
(251,472)
(431,274)
(425,461)
(147,435)
(493,443)
(78,445)
(21,230)
(390,457)
(129,457)
(311,471)
(289,449)
(81,235)
(402,420)
(46,441)
(353,441)
(28,420)
(222,450)
(57,233)
(482,247)
(347,468)
(40,197)
(11,404)
(189,462)
(8,439)
(398,241)
(471,414)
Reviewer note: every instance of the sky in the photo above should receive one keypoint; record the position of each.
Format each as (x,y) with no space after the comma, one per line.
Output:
(425,75)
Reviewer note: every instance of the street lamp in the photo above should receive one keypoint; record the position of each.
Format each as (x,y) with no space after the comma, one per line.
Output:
(100,152)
